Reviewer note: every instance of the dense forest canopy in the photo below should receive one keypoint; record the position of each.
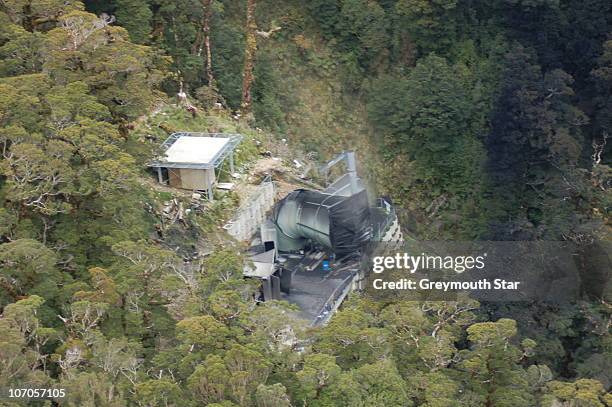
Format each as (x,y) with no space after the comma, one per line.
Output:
(481,119)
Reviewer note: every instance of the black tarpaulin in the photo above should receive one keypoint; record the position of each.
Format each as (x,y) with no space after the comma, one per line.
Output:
(350,223)
(340,223)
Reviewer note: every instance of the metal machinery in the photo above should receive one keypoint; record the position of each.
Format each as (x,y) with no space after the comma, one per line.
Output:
(337,218)
(309,250)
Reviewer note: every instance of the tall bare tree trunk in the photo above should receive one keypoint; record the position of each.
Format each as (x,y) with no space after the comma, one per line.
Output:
(206,28)
(249,59)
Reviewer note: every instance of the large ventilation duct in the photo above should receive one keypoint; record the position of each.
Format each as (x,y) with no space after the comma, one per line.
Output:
(337,222)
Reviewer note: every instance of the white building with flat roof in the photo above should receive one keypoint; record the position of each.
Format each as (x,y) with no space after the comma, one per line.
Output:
(191,160)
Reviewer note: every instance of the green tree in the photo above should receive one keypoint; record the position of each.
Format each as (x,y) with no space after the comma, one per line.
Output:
(423,334)
(366,21)
(121,75)
(208,383)
(318,372)
(248,369)
(27,267)
(583,392)
(22,359)
(158,393)
(204,333)
(135,16)
(89,389)
(274,395)
(21,50)
(430,24)
(492,363)
(234,376)
(352,338)
(431,119)
(435,389)
(147,277)
(371,385)
(533,148)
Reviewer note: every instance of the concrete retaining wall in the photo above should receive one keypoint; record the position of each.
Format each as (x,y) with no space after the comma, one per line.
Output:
(251,215)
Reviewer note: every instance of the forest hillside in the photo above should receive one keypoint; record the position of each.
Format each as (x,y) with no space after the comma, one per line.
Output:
(479,119)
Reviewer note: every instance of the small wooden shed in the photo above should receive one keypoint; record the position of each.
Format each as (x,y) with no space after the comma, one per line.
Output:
(191,160)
